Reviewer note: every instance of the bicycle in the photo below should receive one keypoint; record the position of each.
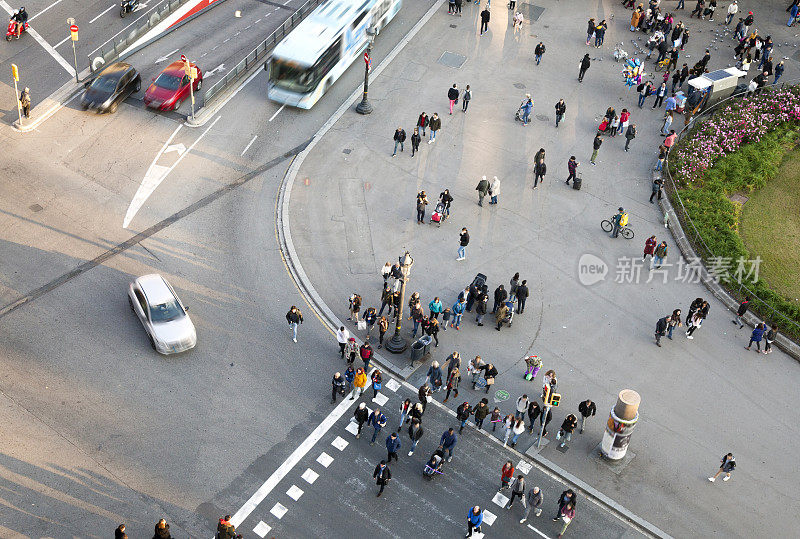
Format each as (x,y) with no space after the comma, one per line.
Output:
(662,65)
(608,226)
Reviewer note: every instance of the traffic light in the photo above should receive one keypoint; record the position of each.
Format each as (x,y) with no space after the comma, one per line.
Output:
(545,393)
(555,398)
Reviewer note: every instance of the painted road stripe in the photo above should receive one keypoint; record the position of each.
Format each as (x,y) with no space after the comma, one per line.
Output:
(339,443)
(524,467)
(294,492)
(112,6)
(310,476)
(381,399)
(278,510)
(42,12)
(537,531)
(41,41)
(393,385)
(248,145)
(276,113)
(325,459)
(57,45)
(489,517)
(262,529)
(352,428)
(500,500)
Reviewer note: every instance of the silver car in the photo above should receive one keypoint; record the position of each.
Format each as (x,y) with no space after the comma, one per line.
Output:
(163,315)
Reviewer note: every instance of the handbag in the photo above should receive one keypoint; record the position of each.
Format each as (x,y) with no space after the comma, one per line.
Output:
(376,385)
(362,324)
(490,381)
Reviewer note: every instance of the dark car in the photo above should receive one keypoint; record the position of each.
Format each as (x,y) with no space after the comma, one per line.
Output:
(110,87)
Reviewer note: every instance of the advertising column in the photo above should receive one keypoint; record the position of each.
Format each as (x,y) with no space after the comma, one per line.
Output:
(621,422)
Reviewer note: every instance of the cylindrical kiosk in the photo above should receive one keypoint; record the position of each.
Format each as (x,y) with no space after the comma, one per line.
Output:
(621,422)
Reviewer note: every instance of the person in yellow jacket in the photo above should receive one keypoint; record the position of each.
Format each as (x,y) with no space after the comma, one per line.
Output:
(360,382)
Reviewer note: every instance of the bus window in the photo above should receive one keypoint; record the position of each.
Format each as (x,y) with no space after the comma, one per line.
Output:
(328,59)
(292,77)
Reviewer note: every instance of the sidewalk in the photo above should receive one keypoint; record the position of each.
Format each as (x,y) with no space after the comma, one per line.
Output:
(352,209)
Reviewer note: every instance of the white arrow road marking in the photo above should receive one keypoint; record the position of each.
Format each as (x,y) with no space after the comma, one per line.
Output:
(157,173)
(179,147)
(166,56)
(219,68)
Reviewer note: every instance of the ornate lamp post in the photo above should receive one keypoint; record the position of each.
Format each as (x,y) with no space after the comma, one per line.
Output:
(365,107)
(398,344)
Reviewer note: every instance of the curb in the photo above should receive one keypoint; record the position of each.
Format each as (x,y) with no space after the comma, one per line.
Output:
(305,286)
(49,106)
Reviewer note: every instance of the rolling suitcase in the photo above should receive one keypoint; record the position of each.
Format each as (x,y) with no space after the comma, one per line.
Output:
(576,183)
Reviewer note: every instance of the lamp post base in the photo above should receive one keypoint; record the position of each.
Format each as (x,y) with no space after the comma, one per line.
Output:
(365,107)
(396,345)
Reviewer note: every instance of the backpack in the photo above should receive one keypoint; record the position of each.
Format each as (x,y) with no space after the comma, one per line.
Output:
(623,220)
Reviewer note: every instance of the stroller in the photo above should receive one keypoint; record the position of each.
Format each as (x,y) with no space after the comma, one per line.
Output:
(439,214)
(479,281)
(509,319)
(434,465)
(518,114)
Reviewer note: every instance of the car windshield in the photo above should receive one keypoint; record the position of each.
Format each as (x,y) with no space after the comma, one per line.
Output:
(292,77)
(168,82)
(166,311)
(105,84)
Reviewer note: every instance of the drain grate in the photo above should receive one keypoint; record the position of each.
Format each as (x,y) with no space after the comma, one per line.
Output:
(347,151)
(453,26)
(35,208)
(519,86)
(543,117)
(451,59)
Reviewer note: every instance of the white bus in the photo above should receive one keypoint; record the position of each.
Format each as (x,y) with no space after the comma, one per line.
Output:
(310,59)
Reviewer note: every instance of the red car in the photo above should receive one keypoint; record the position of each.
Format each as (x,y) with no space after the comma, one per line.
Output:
(171,88)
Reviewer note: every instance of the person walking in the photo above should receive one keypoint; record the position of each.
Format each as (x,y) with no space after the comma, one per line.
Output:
(162,530)
(423,393)
(587,409)
(377,421)
(337,384)
(535,499)
(415,432)
(435,124)
(422,201)
(649,247)
(422,122)
(508,425)
(517,21)
(567,513)
(697,320)
(522,296)
(538,53)
(463,241)
(462,414)
(517,429)
(506,475)
(453,379)
(561,110)
(474,368)
(480,412)
(351,351)
(435,376)
(355,307)
(399,138)
(662,155)
(527,108)
(517,491)
(432,328)
(465,98)
(670,140)
(377,382)
(474,520)
(667,124)
(489,374)
(584,65)
(660,254)
(405,413)
(568,496)
(349,378)
(733,9)
(485,16)
(567,428)
(661,328)
(415,140)
(383,326)
(370,317)
(778,72)
(596,148)
(452,96)
(770,338)
(755,337)
(741,311)
(382,476)
(494,191)
(342,335)
(295,318)
(657,188)
(521,407)
(572,168)
(365,351)
(359,383)
(539,170)
(448,442)
(482,189)
(727,465)
(392,447)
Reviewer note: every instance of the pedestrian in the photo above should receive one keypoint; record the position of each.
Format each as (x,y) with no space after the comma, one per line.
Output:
(527,108)
(462,414)
(119,533)
(521,407)
(452,96)
(295,318)
(517,491)
(415,140)
(572,168)
(415,432)
(662,155)
(359,383)
(463,241)
(501,316)
(474,520)
(495,418)
(561,110)
(740,312)
(660,93)
(675,320)
(506,475)
(351,351)
(435,376)
(517,22)
(584,65)
(432,329)
(538,53)
(698,9)
(568,496)
(342,335)
(728,464)
(481,411)
(522,295)
(423,393)
(466,97)
(500,296)
(533,363)
(517,429)
(485,15)
(422,122)
(590,30)
(365,351)
(660,254)
(596,148)
(482,189)
(377,421)
(535,500)
(355,307)
(770,338)
(661,328)
(733,9)
(614,126)
(337,384)
(382,476)
(696,320)
(778,72)
(667,124)
(494,190)
(480,307)
(649,247)
(489,373)
(545,420)
(422,201)
(448,442)
(587,409)
(392,446)
(644,89)
(458,7)
(453,379)
(370,317)
(756,336)
(676,77)
(657,188)
(25,102)
(162,530)
(600,34)
(434,124)
(567,513)
(508,424)
(458,312)
(383,325)
(451,6)
(474,368)
(684,75)
(539,170)
(399,138)
(670,140)
(567,428)
(534,412)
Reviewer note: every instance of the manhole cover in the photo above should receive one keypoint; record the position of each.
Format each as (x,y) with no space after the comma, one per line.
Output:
(531,12)
(453,26)
(542,117)
(347,151)
(562,449)
(451,59)
(519,86)
(35,208)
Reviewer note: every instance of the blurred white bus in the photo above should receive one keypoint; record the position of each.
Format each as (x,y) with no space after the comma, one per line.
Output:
(310,59)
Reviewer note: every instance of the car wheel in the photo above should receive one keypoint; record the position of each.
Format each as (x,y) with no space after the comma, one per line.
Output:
(137,85)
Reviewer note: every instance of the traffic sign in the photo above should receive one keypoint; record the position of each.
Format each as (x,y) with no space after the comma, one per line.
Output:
(15,72)
(193,72)
(73,31)
(183,58)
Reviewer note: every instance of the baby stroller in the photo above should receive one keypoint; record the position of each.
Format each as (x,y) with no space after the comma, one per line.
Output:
(434,465)
(439,214)
(509,319)
(479,281)
(518,114)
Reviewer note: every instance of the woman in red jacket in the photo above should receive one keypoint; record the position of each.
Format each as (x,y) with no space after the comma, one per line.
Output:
(507,473)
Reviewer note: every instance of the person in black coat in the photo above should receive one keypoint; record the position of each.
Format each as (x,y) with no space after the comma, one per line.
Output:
(500,296)
(630,134)
(399,138)
(561,109)
(480,307)
(661,328)
(361,414)
(584,66)
(382,476)
(522,296)
(539,170)
(415,140)
(587,409)
(485,15)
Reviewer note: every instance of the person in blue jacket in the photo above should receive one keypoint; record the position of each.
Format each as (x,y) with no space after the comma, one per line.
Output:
(392,446)
(448,442)
(755,337)
(377,421)
(474,519)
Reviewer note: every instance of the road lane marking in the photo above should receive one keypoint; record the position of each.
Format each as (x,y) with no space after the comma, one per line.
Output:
(42,12)
(39,39)
(61,42)
(112,6)
(537,531)
(248,145)
(166,56)
(294,492)
(278,510)
(124,29)
(310,476)
(276,113)
(262,529)
(157,173)
(339,443)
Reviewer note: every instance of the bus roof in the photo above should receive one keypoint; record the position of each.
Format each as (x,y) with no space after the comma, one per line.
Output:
(306,43)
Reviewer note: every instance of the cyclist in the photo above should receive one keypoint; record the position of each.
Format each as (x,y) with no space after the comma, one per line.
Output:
(619,221)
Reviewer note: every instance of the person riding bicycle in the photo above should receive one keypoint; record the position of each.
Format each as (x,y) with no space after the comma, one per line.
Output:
(620,220)
(20,17)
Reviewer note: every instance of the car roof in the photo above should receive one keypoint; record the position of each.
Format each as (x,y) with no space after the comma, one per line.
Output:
(115,70)
(155,288)
(175,68)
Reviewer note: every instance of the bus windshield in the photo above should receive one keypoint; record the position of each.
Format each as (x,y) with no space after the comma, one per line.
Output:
(292,77)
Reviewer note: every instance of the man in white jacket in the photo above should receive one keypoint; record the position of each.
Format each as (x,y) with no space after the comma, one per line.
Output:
(341,336)
(733,9)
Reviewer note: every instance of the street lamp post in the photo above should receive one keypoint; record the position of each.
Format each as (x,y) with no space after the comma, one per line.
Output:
(397,344)
(365,107)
